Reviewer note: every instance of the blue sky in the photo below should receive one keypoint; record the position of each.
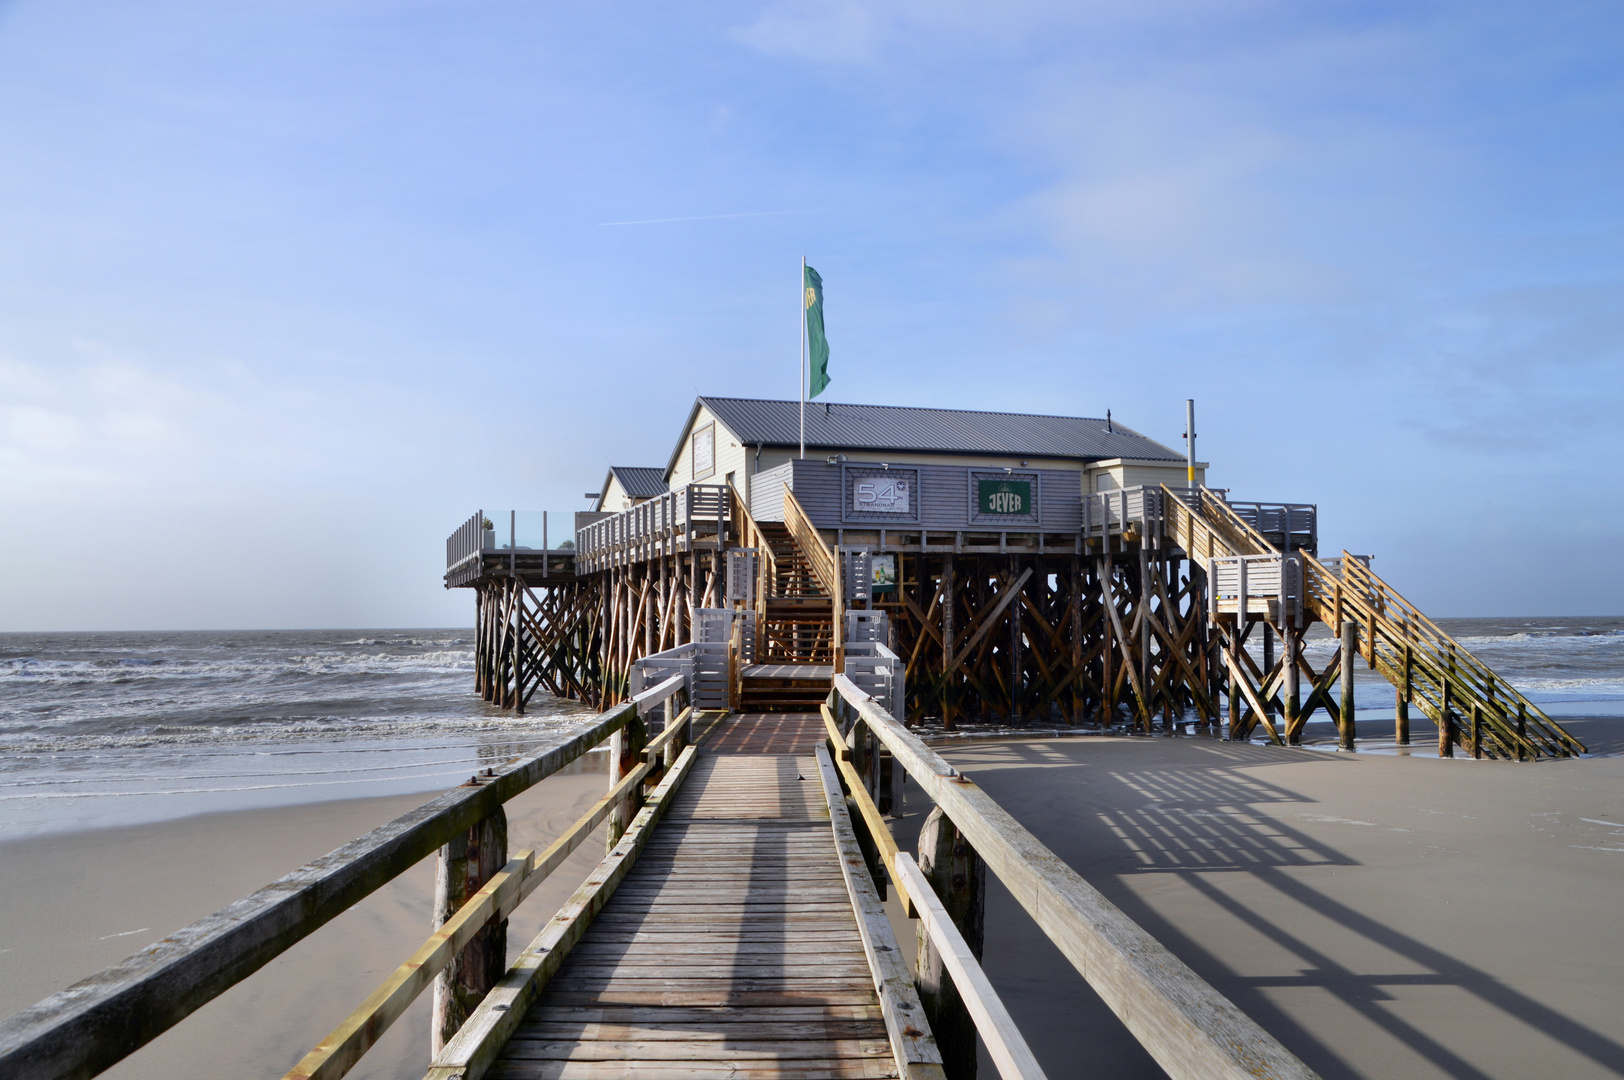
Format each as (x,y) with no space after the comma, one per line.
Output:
(288,290)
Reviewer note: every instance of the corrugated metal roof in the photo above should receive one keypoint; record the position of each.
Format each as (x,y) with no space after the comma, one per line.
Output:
(893,427)
(638,481)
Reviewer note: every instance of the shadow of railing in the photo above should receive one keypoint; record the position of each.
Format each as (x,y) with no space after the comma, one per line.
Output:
(1202,820)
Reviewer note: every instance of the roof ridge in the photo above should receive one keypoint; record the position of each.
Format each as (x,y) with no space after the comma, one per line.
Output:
(908,408)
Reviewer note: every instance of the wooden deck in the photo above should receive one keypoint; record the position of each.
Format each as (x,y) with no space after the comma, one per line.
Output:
(732,948)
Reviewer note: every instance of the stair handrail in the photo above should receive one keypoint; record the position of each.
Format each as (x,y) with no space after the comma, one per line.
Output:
(1219,514)
(817,553)
(750,535)
(1202,532)
(1398,637)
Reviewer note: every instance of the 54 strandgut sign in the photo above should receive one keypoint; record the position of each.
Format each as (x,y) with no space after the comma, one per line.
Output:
(1004,496)
(883,495)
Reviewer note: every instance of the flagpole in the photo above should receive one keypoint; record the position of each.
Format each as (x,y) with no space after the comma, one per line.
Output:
(800,360)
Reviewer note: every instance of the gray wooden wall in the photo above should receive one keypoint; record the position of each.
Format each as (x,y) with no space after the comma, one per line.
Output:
(941,499)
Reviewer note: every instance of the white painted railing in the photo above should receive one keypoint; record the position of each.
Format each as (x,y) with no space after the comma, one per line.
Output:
(666,524)
(1251,583)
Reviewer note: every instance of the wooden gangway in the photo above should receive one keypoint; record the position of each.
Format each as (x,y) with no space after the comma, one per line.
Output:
(735,927)
(740,944)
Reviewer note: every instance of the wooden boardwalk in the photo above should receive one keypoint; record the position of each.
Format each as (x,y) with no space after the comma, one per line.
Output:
(732,947)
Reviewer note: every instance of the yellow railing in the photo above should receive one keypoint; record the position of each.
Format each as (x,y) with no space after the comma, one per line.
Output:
(817,553)
(751,536)
(1427,666)
(1430,668)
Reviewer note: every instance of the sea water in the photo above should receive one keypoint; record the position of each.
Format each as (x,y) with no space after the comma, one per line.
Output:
(102,729)
(1570,667)
(118,728)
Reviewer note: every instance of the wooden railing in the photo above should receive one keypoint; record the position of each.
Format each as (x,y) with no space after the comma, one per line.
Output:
(1297,523)
(1472,706)
(471,1053)
(466,543)
(1202,524)
(1270,585)
(100,1020)
(1107,512)
(751,536)
(1191,1030)
(663,525)
(817,553)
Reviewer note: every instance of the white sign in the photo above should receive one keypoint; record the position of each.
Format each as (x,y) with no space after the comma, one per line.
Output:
(704,451)
(879,495)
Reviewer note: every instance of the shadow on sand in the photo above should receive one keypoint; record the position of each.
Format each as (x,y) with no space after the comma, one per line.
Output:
(1119,816)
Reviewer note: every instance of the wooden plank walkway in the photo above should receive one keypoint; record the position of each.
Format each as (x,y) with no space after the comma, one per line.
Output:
(730,950)
(818,672)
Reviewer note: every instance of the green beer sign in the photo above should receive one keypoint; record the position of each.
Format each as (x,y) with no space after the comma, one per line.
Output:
(1004,496)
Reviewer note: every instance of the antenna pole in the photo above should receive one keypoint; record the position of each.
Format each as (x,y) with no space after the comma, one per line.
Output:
(1189,440)
(800,357)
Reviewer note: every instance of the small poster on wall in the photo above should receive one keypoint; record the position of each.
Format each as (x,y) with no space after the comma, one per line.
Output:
(883,571)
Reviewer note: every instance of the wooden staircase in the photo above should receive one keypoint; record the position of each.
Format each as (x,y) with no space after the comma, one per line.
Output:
(796,651)
(798,624)
(1473,707)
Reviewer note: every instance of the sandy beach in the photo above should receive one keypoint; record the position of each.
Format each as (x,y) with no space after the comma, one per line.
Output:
(78,902)
(1382,916)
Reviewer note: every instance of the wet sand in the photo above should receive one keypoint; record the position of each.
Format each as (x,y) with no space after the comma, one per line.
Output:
(75,903)
(1382,916)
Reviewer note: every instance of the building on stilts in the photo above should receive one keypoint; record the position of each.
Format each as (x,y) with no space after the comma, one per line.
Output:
(974,566)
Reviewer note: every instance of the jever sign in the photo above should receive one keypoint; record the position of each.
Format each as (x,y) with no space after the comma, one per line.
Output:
(1004,496)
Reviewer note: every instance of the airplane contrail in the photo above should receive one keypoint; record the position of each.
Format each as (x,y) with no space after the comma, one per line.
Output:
(706,217)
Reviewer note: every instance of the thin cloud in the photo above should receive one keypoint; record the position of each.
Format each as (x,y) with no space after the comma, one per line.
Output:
(708,217)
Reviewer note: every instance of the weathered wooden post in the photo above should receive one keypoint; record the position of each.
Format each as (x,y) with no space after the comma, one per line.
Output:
(1143,689)
(517,608)
(1015,660)
(1401,709)
(959,877)
(1108,699)
(1446,724)
(1522,729)
(950,603)
(1268,668)
(463,868)
(1291,640)
(625,750)
(1074,609)
(1350,648)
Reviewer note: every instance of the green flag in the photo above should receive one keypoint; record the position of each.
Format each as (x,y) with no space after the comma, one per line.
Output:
(818,344)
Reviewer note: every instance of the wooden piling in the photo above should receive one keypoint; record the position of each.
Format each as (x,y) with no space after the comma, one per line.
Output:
(1292,642)
(464,866)
(1350,647)
(1446,725)
(959,877)
(1401,708)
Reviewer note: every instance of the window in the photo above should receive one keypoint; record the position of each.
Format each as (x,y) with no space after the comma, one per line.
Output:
(704,452)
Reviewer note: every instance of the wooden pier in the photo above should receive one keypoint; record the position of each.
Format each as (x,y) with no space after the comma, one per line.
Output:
(1141,607)
(734,929)
(764,651)
(732,948)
